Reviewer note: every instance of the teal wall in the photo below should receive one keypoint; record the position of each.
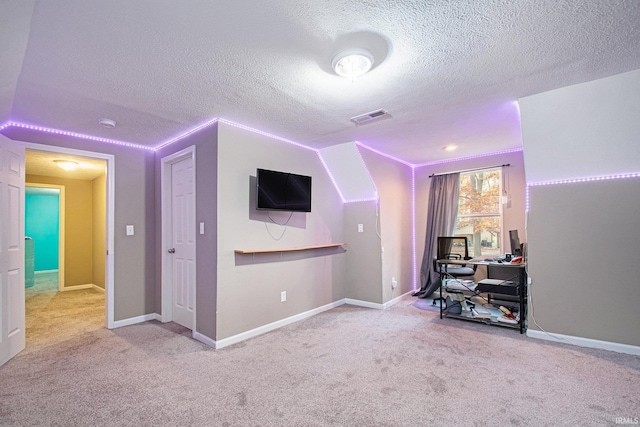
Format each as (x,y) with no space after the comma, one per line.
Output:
(42,219)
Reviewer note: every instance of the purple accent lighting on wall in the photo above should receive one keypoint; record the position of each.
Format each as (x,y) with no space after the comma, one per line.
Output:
(477,156)
(577,181)
(413,229)
(360,144)
(371,199)
(185,134)
(79,135)
(267,134)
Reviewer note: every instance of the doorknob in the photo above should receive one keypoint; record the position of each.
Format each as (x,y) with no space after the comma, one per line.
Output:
(172,251)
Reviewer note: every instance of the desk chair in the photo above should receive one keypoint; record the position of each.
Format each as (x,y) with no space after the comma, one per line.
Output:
(450,248)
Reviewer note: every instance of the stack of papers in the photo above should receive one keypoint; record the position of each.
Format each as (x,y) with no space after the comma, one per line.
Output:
(459,285)
(505,319)
(481,313)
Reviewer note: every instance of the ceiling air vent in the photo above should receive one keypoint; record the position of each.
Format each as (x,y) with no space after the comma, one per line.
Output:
(369,117)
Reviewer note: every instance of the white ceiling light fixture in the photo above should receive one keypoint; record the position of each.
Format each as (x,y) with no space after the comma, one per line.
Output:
(352,63)
(450,147)
(107,123)
(67,165)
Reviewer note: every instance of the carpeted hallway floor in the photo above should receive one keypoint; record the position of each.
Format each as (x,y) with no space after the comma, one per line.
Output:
(53,316)
(346,367)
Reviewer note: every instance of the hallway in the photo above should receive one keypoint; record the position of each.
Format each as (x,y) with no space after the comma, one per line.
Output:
(53,316)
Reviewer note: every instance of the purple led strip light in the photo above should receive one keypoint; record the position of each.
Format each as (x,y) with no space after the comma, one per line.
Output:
(170,141)
(259,132)
(477,156)
(413,229)
(577,181)
(187,133)
(77,135)
(359,144)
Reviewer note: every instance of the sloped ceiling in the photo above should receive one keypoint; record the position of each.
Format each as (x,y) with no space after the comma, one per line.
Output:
(449,72)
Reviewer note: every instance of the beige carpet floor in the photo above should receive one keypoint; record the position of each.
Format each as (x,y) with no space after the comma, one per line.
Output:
(346,367)
(53,316)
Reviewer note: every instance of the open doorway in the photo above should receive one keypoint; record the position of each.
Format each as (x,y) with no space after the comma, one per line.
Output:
(45,224)
(85,221)
(82,217)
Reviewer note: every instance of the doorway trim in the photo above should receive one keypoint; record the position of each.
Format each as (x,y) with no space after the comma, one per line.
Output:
(167,266)
(61,225)
(110,181)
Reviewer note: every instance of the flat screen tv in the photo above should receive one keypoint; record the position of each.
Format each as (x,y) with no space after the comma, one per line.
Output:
(283,191)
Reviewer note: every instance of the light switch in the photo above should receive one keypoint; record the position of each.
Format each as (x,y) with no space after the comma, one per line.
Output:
(202,228)
(129,230)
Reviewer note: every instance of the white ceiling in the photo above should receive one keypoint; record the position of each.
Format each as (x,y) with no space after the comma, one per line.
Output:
(43,164)
(447,71)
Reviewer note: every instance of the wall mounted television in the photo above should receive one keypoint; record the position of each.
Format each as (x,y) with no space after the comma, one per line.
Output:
(282,191)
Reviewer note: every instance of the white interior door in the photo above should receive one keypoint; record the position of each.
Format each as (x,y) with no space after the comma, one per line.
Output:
(12,322)
(183,245)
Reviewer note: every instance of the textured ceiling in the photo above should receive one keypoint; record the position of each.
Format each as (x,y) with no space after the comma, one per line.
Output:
(40,163)
(447,71)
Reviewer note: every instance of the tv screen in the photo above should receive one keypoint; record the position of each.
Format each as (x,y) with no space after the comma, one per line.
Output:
(282,191)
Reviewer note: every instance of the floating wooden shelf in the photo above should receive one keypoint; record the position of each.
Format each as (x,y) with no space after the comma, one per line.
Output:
(301,248)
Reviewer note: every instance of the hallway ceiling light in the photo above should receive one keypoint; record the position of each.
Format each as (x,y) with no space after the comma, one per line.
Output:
(67,165)
(107,123)
(450,147)
(352,63)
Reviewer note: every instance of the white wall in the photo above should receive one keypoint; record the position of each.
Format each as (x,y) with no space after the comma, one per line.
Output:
(393,181)
(586,130)
(249,287)
(583,237)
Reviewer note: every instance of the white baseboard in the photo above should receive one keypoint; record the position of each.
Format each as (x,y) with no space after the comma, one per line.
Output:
(365,304)
(98,288)
(266,328)
(85,286)
(375,305)
(135,320)
(395,300)
(76,287)
(204,339)
(584,342)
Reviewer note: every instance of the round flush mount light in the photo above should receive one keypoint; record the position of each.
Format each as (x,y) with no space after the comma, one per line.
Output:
(107,123)
(67,165)
(352,63)
(450,147)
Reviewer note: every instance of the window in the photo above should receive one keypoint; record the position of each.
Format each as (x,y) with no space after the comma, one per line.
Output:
(480,211)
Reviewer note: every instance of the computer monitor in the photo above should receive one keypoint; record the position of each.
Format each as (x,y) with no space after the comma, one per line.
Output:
(516,250)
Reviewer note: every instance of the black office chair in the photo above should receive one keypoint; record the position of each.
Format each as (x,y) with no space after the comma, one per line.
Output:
(453,248)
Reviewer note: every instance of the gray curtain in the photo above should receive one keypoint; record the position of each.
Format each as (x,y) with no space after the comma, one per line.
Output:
(441,221)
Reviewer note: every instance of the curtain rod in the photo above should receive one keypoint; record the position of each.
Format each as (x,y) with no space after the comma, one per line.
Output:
(470,170)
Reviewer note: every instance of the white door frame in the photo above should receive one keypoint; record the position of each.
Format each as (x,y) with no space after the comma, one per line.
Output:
(61,225)
(167,265)
(111,179)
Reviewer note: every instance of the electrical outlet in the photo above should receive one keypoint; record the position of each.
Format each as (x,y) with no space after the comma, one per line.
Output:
(360,228)
(130,231)
(393,283)
(283,296)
